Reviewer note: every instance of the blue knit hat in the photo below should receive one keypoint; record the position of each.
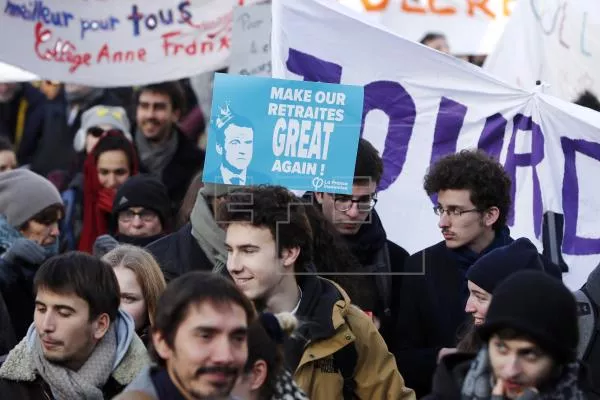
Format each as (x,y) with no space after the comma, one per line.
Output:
(492,268)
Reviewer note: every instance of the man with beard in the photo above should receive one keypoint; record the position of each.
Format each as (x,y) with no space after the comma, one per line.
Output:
(164,150)
(199,340)
(22,108)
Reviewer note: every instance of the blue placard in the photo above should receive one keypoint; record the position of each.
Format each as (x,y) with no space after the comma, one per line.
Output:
(301,135)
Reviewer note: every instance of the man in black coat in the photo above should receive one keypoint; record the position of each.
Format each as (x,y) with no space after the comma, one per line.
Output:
(355,219)
(199,244)
(163,149)
(473,200)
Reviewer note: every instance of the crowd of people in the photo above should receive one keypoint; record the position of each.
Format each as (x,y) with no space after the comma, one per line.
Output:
(124,275)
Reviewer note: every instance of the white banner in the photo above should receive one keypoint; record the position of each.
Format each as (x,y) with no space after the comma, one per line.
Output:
(471,26)
(116,42)
(554,41)
(9,73)
(421,105)
(251,41)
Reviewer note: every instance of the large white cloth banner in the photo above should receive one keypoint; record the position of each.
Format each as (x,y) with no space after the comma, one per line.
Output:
(471,26)
(116,42)
(10,73)
(421,104)
(554,41)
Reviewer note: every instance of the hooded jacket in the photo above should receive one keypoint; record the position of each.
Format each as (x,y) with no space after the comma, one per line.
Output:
(19,380)
(335,323)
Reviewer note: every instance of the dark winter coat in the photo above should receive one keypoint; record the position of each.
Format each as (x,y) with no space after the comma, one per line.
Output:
(179,253)
(24,115)
(431,308)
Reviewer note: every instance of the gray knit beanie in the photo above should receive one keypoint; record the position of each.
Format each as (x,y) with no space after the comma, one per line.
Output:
(23,194)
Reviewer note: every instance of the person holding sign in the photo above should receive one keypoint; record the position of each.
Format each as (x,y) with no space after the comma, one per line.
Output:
(338,353)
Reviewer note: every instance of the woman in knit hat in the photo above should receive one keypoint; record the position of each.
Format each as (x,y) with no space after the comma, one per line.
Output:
(530,342)
(106,168)
(485,275)
(30,208)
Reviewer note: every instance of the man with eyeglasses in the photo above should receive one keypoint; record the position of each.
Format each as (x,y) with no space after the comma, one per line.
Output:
(471,193)
(141,214)
(355,219)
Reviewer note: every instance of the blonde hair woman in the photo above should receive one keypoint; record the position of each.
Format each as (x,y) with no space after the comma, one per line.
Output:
(141,282)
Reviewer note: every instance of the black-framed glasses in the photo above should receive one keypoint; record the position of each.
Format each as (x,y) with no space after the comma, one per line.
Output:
(363,203)
(452,211)
(145,215)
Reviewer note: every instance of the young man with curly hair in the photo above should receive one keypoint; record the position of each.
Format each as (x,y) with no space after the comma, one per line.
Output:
(471,193)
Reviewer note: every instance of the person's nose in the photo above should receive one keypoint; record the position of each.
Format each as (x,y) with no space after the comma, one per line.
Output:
(222,352)
(444,221)
(469,307)
(54,229)
(48,322)
(512,368)
(137,222)
(353,211)
(234,264)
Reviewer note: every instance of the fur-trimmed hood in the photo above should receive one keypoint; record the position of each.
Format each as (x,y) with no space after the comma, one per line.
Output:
(131,358)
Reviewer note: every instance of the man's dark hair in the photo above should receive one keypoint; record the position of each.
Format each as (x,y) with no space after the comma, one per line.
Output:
(369,165)
(475,171)
(587,99)
(172,89)
(189,290)
(115,141)
(85,276)
(275,208)
(429,36)
(6,144)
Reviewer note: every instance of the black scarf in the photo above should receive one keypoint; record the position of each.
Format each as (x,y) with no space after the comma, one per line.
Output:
(369,239)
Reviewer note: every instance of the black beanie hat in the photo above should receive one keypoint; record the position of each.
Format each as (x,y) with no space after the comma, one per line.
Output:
(142,191)
(540,307)
(492,268)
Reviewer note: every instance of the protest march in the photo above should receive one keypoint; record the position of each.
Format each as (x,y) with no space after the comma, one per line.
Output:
(299,199)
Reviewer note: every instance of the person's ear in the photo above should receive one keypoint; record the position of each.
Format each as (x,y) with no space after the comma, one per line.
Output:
(491,215)
(101,325)
(319,197)
(160,346)
(176,115)
(219,149)
(259,374)
(289,256)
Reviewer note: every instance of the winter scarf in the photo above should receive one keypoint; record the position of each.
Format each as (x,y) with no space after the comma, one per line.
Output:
(369,239)
(478,383)
(156,158)
(210,237)
(85,383)
(8,235)
(97,204)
